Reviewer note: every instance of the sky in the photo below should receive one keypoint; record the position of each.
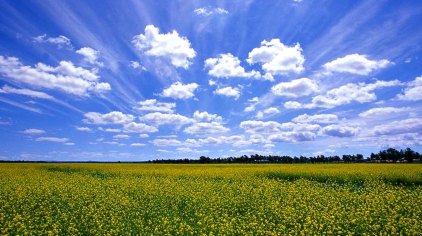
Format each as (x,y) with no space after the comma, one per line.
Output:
(143,80)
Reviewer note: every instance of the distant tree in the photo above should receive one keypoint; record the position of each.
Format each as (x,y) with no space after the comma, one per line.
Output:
(409,155)
(204,159)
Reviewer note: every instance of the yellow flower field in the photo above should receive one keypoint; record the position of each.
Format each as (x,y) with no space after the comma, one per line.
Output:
(241,199)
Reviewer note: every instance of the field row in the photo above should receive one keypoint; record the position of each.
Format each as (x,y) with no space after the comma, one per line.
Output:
(91,199)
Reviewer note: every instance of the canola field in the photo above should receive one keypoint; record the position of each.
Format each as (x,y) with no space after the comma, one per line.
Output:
(221,199)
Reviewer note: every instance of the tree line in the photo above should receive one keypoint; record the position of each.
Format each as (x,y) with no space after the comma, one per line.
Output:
(384,156)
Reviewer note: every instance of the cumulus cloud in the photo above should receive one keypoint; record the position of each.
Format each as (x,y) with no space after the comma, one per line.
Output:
(61,41)
(345,94)
(228,92)
(110,130)
(137,65)
(295,88)
(166,142)
(292,136)
(26,92)
(90,55)
(206,128)
(143,135)
(340,131)
(208,11)
(114,117)
(177,49)
(180,91)
(413,92)
(260,127)
(383,111)
(355,64)
(152,105)
(228,66)
(293,105)
(83,129)
(281,132)
(65,77)
(52,139)
(158,119)
(252,103)
(412,125)
(33,131)
(319,118)
(137,144)
(277,58)
(121,136)
(205,116)
(134,127)
(268,111)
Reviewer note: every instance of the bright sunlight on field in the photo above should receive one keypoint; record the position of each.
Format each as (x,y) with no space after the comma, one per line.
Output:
(145,199)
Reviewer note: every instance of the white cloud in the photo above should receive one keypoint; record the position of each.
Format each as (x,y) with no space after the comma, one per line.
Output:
(228,92)
(207,11)
(206,128)
(157,119)
(171,46)
(137,144)
(69,144)
(319,118)
(251,104)
(152,105)
(412,125)
(300,127)
(166,142)
(143,135)
(268,111)
(83,129)
(112,142)
(220,140)
(114,117)
(413,92)
(292,136)
(60,41)
(65,77)
(52,139)
(355,64)
(26,92)
(281,132)
(260,127)
(277,58)
(227,66)
(205,116)
(340,131)
(137,65)
(345,94)
(90,55)
(382,111)
(293,105)
(121,136)
(348,93)
(110,130)
(180,91)
(295,88)
(134,127)
(33,131)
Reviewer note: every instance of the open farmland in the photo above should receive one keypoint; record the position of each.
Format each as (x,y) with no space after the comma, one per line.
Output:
(88,199)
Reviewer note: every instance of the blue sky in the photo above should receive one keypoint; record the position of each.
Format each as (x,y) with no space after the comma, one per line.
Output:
(141,80)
